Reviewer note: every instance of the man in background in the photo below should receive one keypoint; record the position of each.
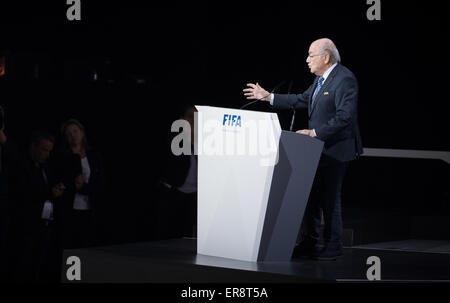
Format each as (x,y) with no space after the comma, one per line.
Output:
(36,195)
(178,200)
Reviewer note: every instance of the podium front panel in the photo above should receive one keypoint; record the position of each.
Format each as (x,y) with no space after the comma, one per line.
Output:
(237,151)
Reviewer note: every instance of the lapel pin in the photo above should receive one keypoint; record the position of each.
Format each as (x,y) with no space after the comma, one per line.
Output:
(325,93)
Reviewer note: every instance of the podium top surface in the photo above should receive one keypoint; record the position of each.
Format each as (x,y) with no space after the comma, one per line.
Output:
(207,108)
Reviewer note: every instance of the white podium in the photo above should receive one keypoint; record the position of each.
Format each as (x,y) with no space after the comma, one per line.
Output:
(254,181)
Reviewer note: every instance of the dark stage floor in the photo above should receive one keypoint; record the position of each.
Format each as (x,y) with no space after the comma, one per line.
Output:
(176,261)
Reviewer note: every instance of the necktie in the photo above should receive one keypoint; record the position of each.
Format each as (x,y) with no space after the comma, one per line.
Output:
(319,86)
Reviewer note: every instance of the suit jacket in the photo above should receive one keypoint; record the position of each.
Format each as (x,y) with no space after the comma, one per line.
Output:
(334,114)
(9,164)
(29,191)
(67,167)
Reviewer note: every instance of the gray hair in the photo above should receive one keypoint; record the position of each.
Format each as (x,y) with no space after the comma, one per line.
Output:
(328,47)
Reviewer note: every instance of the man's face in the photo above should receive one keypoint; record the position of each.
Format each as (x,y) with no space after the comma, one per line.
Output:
(74,135)
(189,116)
(41,151)
(317,61)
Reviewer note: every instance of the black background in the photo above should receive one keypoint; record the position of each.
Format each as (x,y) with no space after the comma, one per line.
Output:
(205,53)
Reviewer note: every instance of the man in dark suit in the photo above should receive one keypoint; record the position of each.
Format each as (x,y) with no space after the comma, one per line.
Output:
(9,161)
(7,154)
(36,194)
(179,193)
(332,111)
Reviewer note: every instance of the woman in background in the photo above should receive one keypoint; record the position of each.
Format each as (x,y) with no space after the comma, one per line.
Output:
(82,170)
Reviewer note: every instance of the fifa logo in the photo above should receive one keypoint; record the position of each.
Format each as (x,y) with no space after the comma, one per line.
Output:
(232,120)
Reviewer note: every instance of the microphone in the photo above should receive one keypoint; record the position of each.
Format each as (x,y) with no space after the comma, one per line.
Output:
(273,90)
(293,109)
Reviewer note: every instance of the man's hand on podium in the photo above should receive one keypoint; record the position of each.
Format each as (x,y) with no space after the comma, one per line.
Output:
(254,91)
(309,132)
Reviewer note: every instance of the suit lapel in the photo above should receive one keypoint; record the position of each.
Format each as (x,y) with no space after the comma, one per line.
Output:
(323,88)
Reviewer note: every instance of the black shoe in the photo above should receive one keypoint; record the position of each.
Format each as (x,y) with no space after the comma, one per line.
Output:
(327,254)
(305,249)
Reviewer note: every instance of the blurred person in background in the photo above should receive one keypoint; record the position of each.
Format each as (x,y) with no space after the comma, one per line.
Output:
(177,203)
(82,170)
(36,193)
(8,165)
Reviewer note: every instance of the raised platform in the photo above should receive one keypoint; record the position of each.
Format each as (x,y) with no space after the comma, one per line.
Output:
(176,261)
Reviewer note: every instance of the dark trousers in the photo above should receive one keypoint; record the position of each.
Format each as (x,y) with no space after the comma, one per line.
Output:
(78,229)
(176,214)
(39,255)
(4,238)
(325,197)
(189,214)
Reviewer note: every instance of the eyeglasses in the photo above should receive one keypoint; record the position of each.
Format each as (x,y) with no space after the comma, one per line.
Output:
(312,56)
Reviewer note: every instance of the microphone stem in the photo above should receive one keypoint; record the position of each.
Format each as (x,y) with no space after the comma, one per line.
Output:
(293,119)
(293,108)
(250,103)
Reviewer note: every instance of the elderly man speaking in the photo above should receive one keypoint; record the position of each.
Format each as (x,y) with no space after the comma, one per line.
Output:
(331,101)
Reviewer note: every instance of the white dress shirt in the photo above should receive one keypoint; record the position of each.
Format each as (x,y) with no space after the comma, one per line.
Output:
(324,76)
(47,210)
(81,202)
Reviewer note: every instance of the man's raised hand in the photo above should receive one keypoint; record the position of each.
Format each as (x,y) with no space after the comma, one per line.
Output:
(254,91)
